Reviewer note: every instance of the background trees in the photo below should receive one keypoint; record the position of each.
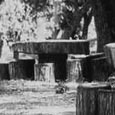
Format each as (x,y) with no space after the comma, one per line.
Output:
(20,20)
(57,19)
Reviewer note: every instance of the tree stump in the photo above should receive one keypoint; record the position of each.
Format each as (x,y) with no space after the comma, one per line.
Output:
(21,69)
(100,69)
(14,70)
(87,98)
(44,72)
(96,68)
(4,72)
(75,69)
(106,102)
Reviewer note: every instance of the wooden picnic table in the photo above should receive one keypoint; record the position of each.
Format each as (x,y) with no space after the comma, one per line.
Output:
(55,51)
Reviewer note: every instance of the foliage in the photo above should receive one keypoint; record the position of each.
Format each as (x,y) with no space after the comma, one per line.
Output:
(18,21)
(73,18)
(23,20)
(77,15)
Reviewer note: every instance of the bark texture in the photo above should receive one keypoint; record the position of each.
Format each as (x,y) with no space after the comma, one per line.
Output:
(75,69)
(44,72)
(87,98)
(96,68)
(21,69)
(104,13)
(4,71)
(106,102)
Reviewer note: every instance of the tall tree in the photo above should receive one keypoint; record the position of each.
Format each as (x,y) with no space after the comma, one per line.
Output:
(67,16)
(72,13)
(104,13)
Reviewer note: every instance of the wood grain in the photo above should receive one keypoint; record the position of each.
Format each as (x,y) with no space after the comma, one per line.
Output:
(87,98)
(53,46)
(22,69)
(106,102)
(44,72)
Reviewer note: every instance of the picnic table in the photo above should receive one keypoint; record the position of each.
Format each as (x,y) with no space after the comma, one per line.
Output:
(55,51)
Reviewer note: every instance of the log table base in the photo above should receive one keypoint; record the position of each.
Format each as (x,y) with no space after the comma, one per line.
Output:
(59,61)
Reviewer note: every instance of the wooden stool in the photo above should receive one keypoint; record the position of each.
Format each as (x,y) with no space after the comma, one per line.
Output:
(106,102)
(44,72)
(22,69)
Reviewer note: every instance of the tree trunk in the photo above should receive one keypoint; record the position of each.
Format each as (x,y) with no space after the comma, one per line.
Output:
(87,20)
(105,25)
(72,25)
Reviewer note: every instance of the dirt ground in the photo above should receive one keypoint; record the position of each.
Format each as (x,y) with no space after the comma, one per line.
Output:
(22,97)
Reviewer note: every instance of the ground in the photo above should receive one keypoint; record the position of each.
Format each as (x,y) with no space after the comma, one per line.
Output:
(22,97)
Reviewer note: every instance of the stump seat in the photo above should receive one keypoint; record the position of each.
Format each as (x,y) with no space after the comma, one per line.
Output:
(4,71)
(106,102)
(22,69)
(87,98)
